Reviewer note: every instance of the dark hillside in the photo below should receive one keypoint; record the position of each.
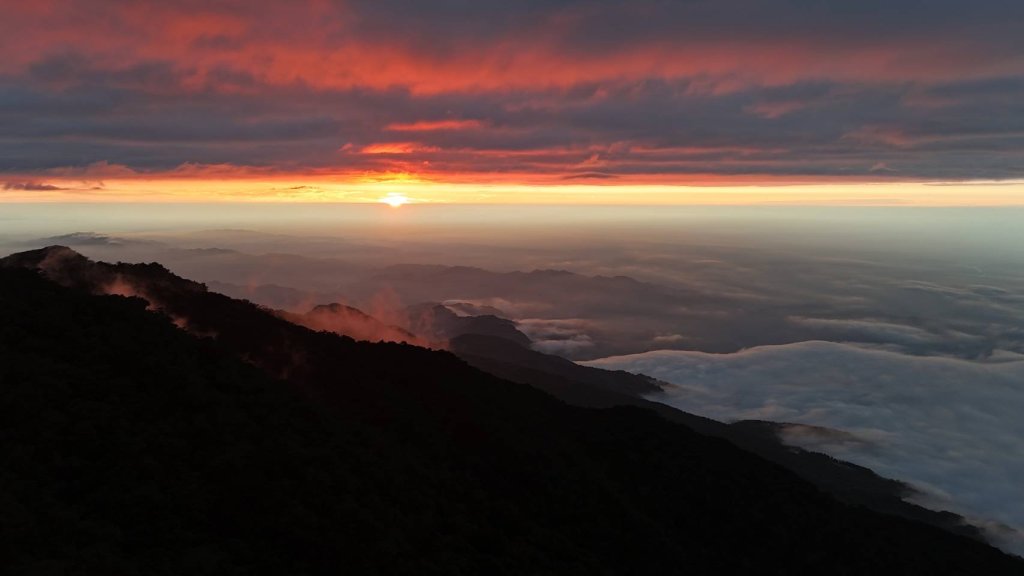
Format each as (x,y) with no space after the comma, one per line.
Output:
(597,388)
(133,447)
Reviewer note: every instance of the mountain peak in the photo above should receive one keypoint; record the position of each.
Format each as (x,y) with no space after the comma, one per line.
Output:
(42,257)
(59,263)
(337,308)
(70,268)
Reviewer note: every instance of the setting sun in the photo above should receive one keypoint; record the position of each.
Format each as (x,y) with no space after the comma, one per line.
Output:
(395,199)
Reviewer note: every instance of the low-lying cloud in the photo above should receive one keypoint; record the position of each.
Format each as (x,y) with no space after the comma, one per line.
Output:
(353,323)
(31,186)
(950,427)
(557,336)
(882,332)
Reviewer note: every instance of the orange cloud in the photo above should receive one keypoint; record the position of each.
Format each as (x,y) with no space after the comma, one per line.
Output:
(432,125)
(527,93)
(322,45)
(397,148)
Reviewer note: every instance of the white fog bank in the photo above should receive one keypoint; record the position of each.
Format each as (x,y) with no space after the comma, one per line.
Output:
(950,427)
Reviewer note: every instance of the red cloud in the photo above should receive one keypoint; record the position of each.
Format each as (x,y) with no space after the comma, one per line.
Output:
(671,92)
(397,148)
(328,46)
(433,125)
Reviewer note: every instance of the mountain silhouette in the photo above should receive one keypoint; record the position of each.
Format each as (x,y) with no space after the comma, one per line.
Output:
(352,322)
(154,427)
(592,387)
(441,323)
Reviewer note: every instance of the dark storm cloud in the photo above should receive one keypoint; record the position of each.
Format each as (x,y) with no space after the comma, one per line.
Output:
(555,90)
(590,25)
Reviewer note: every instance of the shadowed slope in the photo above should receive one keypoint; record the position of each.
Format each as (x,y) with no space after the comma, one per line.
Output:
(598,388)
(138,448)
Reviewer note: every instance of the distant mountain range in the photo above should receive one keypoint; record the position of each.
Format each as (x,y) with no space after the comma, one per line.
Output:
(152,426)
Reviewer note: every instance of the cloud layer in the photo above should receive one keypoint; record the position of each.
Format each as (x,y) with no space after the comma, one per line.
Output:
(555,91)
(950,427)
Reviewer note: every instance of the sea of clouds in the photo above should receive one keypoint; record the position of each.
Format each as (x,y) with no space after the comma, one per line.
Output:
(950,427)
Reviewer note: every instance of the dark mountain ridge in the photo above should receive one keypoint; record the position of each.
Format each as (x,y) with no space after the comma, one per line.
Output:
(264,447)
(591,387)
(440,322)
(493,345)
(352,322)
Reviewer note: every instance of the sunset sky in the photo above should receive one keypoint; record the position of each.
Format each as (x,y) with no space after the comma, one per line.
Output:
(723,101)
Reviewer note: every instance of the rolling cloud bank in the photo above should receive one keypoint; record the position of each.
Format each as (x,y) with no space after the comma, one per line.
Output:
(947,426)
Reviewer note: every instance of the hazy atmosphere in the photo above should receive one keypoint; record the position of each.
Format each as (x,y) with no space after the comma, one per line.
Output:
(900,329)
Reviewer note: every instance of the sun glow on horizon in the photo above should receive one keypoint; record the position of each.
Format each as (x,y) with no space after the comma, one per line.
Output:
(399,189)
(395,200)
